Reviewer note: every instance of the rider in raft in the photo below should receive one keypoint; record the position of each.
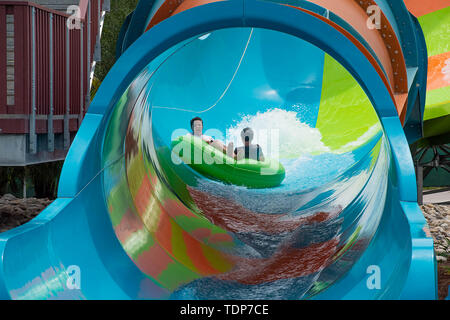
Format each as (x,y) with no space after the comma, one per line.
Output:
(197,131)
(249,150)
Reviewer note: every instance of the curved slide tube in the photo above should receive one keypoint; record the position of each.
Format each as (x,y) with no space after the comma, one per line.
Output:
(132,223)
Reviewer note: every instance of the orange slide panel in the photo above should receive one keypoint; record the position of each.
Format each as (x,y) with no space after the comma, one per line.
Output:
(171,7)
(363,49)
(438,71)
(422,7)
(383,41)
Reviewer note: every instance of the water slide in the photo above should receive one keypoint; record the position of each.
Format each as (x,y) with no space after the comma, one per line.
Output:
(335,93)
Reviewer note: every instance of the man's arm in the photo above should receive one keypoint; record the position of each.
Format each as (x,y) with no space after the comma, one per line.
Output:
(207,139)
(240,154)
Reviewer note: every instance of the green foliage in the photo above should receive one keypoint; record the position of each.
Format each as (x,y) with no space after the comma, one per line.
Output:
(120,9)
(11,180)
(45,178)
(95,85)
(42,180)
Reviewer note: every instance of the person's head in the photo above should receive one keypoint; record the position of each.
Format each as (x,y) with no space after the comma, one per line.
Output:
(247,136)
(197,126)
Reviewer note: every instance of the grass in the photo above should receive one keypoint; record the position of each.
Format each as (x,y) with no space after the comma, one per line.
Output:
(446,270)
(434,188)
(120,9)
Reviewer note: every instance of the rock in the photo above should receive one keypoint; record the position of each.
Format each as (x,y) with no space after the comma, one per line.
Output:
(440,229)
(8,197)
(438,218)
(35,208)
(5,208)
(18,210)
(15,212)
(427,232)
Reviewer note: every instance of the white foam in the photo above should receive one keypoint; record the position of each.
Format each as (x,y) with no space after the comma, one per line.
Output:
(280,134)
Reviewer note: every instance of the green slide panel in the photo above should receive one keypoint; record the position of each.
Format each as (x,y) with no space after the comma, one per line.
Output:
(345,112)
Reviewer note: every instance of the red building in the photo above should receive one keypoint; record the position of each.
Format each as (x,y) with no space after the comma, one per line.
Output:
(48,51)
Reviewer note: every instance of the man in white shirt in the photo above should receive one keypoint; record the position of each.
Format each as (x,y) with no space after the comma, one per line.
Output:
(197,131)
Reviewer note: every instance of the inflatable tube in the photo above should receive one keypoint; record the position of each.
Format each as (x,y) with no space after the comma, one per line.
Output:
(216,165)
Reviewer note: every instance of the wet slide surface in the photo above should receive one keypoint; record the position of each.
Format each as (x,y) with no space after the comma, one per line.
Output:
(283,237)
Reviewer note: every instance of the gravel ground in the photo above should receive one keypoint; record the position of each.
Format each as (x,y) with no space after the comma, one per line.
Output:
(438,217)
(15,212)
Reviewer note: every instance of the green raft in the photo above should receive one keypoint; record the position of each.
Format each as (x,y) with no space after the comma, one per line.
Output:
(216,165)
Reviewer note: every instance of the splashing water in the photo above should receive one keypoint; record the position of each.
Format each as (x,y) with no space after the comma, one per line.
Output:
(280,134)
